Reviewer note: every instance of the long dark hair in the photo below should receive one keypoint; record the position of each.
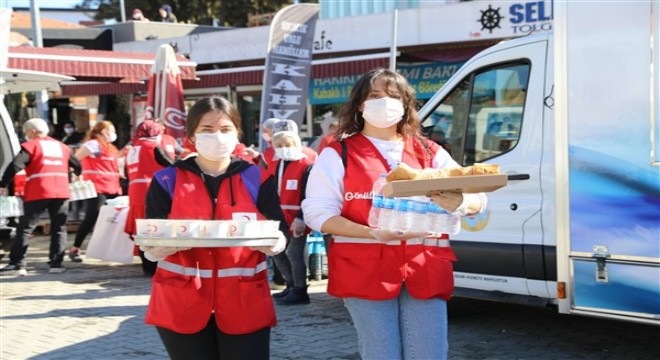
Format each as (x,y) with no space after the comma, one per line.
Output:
(211,104)
(350,117)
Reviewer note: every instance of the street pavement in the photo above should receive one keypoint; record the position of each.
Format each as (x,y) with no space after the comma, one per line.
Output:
(95,310)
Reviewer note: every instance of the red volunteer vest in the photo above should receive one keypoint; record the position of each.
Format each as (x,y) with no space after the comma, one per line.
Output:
(230,282)
(290,186)
(141,165)
(375,271)
(47,172)
(103,170)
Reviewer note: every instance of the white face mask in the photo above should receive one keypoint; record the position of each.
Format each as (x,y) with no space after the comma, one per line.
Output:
(112,137)
(215,146)
(266,137)
(289,153)
(384,112)
(68,130)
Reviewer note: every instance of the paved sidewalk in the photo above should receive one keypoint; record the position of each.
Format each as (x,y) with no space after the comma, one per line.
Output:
(95,310)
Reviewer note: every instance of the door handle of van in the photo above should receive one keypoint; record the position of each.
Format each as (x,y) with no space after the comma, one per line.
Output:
(518,177)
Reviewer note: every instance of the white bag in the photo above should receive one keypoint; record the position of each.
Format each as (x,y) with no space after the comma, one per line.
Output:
(81,190)
(10,206)
(109,242)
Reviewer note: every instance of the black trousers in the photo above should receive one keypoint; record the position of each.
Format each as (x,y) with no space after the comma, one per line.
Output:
(211,343)
(57,211)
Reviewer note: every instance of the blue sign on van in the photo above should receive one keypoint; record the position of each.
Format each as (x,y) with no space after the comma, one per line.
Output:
(426,79)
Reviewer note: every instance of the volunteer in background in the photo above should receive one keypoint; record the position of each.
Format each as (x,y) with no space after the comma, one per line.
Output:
(213,303)
(275,125)
(100,164)
(144,158)
(46,162)
(291,171)
(394,284)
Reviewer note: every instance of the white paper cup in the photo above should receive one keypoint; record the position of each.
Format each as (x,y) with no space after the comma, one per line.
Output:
(270,227)
(186,228)
(237,228)
(263,228)
(213,229)
(154,227)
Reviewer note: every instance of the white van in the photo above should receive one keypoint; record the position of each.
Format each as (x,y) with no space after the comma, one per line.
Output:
(574,119)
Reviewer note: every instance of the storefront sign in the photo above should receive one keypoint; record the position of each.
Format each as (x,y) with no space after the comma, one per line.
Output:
(426,79)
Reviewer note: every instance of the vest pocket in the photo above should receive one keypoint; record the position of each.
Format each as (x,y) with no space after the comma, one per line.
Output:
(244,306)
(436,275)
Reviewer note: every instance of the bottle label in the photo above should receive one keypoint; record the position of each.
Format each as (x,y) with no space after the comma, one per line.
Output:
(419,207)
(388,203)
(377,201)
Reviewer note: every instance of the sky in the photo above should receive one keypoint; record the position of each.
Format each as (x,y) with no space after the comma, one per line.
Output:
(64,4)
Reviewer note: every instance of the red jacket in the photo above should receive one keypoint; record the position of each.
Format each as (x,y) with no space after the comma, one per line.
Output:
(47,173)
(229,282)
(140,165)
(103,170)
(290,186)
(366,269)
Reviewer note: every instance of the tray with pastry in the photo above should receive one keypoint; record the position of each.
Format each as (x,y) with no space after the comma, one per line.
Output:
(406,181)
(205,233)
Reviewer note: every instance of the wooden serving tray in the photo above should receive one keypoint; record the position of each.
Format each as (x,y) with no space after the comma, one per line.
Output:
(205,242)
(465,184)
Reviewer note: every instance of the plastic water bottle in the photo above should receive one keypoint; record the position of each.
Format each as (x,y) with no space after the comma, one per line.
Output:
(386,213)
(453,224)
(437,218)
(443,221)
(377,200)
(418,217)
(400,215)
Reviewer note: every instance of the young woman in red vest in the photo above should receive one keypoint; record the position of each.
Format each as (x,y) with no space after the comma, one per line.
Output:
(213,303)
(146,156)
(394,284)
(291,168)
(100,163)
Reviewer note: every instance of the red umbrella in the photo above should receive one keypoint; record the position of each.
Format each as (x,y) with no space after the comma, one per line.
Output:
(165,97)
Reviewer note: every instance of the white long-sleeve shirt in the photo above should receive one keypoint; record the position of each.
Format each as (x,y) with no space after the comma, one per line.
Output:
(325,187)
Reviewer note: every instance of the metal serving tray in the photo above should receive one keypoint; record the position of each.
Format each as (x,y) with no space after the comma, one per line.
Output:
(205,242)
